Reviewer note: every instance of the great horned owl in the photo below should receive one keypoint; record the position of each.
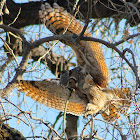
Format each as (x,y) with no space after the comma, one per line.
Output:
(89,80)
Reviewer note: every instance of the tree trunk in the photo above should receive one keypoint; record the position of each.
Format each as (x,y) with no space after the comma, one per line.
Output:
(71,126)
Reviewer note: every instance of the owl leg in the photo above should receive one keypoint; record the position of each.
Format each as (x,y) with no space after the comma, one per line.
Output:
(91,109)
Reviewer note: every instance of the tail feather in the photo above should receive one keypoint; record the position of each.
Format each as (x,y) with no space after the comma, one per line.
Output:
(112,115)
(119,104)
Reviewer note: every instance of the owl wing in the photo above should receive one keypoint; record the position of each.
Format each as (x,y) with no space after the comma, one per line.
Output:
(89,54)
(52,94)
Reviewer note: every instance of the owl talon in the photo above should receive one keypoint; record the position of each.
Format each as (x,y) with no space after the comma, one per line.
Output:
(88,113)
(91,109)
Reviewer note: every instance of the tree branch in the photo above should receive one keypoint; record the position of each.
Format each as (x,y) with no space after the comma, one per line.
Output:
(101,9)
(22,67)
(29,46)
(47,124)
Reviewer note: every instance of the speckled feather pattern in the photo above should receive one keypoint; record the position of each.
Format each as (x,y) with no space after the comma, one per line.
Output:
(52,94)
(59,21)
(108,102)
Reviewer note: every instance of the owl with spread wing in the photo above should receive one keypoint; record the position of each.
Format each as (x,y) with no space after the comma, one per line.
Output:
(89,80)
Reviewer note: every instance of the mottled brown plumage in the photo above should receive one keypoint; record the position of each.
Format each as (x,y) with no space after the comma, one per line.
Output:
(89,54)
(86,99)
(89,80)
(52,94)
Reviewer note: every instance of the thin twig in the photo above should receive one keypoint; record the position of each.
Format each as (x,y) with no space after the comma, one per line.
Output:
(14,30)
(82,135)
(47,124)
(92,124)
(15,116)
(134,67)
(16,17)
(116,127)
(65,110)
(86,21)
(3,67)
(10,50)
(19,72)
(38,61)
(37,137)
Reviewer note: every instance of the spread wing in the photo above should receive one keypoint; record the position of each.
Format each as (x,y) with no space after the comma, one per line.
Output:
(53,95)
(89,54)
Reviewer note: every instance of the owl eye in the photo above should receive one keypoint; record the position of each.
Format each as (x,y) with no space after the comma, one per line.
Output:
(72,83)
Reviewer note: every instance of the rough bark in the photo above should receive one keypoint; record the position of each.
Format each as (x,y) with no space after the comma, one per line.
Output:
(8,133)
(71,126)
(101,9)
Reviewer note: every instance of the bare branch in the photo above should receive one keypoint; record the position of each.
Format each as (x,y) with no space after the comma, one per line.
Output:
(87,19)
(28,46)
(22,66)
(14,30)
(47,124)
(109,45)
(101,9)
(129,37)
